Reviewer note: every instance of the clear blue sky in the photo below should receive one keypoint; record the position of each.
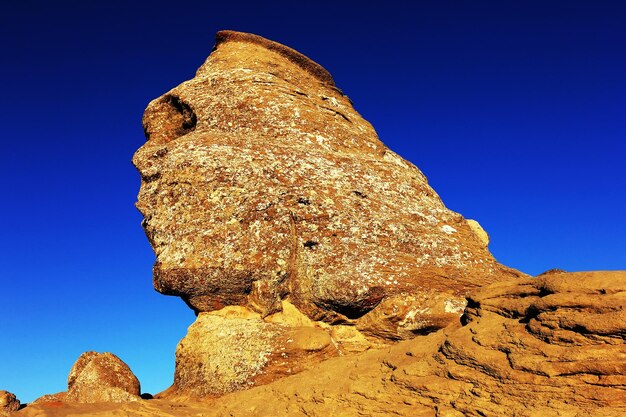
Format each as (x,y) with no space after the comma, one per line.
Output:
(515,111)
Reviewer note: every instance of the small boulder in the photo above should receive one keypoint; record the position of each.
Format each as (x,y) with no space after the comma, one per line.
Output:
(8,403)
(101,377)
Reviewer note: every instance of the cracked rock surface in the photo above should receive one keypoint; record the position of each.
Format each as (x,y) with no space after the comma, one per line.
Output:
(261,182)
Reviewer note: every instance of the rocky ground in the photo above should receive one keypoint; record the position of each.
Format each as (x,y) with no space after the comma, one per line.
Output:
(546,346)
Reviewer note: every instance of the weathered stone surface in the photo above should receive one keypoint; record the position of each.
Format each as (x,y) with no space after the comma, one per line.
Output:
(50,400)
(260,182)
(262,185)
(100,377)
(550,346)
(8,403)
(479,231)
(542,347)
(233,349)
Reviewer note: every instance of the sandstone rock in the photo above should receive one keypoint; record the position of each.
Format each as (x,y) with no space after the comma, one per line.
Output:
(261,185)
(233,349)
(551,346)
(260,182)
(277,214)
(479,231)
(8,403)
(99,377)
(50,400)
(552,271)
(543,347)
(403,317)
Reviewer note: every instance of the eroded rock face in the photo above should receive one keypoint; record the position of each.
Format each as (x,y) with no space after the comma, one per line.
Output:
(101,377)
(234,349)
(8,403)
(262,185)
(551,346)
(547,346)
(260,182)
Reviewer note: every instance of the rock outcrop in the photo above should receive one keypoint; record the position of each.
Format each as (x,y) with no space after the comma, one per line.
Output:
(101,377)
(8,403)
(234,349)
(262,185)
(260,182)
(542,347)
(547,346)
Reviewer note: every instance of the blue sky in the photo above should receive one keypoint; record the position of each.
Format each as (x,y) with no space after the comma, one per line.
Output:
(513,110)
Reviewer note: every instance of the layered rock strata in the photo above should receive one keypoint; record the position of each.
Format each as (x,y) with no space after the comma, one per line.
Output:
(547,346)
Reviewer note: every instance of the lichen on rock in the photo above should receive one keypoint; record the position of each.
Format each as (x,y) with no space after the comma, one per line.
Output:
(233,349)
(261,184)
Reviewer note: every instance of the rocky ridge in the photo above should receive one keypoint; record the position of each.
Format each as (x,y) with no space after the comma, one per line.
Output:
(547,346)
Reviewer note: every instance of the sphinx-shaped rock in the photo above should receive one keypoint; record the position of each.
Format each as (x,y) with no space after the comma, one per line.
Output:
(261,185)
(260,182)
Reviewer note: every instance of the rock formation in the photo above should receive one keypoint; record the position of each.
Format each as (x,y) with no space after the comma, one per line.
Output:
(8,403)
(234,349)
(94,378)
(329,278)
(97,377)
(547,346)
(261,184)
(540,347)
